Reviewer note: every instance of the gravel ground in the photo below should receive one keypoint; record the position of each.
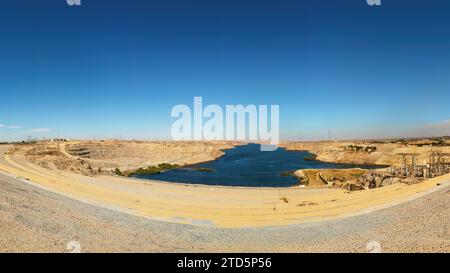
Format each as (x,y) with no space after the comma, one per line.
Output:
(35,220)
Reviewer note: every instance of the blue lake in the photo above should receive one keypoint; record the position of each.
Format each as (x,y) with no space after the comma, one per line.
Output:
(247,166)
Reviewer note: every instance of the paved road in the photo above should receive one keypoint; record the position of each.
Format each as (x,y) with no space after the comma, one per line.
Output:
(35,220)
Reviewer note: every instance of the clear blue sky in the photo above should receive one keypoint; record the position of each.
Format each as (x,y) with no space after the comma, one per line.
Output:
(115,68)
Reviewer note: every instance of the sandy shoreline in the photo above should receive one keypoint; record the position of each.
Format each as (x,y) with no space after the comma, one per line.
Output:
(214,206)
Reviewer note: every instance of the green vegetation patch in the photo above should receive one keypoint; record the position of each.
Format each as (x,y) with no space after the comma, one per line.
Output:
(311,157)
(155,169)
(118,172)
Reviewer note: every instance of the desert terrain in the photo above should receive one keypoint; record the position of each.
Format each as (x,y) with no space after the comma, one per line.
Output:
(370,152)
(36,220)
(83,172)
(102,157)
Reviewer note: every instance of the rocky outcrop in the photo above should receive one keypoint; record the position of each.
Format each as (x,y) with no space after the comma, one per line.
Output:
(328,177)
(364,152)
(105,157)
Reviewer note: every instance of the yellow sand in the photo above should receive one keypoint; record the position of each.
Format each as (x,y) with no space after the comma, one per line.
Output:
(221,206)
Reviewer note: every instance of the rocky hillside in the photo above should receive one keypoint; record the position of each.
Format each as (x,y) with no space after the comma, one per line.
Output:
(364,152)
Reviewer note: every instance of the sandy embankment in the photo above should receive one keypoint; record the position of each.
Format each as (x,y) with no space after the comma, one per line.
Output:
(383,154)
(35,220)
(205,205)
(100,157)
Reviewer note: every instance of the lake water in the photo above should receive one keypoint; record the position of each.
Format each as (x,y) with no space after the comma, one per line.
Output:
(247,166)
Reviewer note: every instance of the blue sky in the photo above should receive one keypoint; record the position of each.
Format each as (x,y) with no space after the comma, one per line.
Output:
(111,69)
